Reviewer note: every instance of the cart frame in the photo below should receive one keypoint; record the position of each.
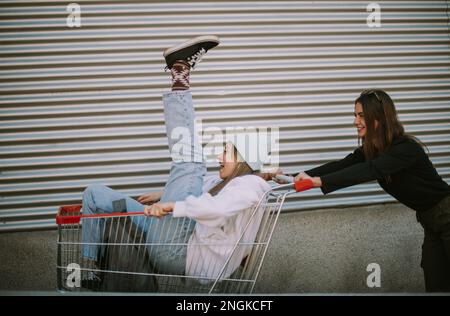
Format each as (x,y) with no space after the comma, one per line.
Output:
(242,279)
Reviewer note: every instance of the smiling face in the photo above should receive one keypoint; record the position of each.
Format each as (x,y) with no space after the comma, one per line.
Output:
(359,121)
(376,122)
(227,160)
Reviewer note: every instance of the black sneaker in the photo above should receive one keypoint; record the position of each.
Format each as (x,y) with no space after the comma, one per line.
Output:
(190,51)
(91,281)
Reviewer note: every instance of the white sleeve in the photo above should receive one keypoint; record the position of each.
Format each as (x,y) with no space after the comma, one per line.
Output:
(241,193)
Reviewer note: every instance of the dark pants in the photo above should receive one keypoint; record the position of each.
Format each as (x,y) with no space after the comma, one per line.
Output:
(436,246)
(133,260)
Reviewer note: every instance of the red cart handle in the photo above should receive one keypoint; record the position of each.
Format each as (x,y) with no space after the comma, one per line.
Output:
(71,214)
(303,185)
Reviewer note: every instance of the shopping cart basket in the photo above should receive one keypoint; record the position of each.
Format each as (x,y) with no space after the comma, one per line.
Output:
(128,262)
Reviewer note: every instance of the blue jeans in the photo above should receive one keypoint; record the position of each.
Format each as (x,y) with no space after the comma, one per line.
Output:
(185,178)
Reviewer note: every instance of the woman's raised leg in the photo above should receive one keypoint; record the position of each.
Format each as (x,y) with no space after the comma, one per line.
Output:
(188,167)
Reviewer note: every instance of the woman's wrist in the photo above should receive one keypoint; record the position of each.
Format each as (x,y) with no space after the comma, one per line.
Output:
(317,182)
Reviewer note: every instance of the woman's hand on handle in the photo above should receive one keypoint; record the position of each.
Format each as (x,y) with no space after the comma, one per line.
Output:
(279,177)
(159,209)
(317,182)
(269,175)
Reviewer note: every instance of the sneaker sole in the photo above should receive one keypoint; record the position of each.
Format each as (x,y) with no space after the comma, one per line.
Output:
(194,41)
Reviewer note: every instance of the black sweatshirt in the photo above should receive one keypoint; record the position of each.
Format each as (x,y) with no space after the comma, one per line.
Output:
(414,180)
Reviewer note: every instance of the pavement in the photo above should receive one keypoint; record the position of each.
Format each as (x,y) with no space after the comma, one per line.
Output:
(320,251)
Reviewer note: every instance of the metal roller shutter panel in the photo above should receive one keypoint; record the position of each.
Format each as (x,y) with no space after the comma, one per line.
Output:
(83,105)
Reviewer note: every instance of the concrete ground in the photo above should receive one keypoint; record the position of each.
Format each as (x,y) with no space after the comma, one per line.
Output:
(28,261)
(321,251)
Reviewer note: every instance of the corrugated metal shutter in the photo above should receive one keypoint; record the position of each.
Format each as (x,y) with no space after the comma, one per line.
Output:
(83,105)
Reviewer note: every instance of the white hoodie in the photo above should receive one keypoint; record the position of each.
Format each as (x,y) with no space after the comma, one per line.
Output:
(221,220)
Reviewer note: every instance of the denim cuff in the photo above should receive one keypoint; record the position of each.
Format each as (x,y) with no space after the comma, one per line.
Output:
(179,92)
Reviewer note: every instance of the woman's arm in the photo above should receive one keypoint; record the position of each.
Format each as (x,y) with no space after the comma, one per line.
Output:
(351,159)
(397,158)
(239,194)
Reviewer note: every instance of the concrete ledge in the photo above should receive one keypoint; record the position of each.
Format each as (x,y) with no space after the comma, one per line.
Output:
(321,251)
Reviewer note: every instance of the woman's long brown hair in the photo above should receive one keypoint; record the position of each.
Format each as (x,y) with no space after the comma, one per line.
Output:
(378,106)
(242,168)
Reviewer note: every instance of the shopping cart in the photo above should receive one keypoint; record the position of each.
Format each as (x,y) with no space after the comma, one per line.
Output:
(128,262)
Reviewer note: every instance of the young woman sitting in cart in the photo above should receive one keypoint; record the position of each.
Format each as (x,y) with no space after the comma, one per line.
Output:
(215,209)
